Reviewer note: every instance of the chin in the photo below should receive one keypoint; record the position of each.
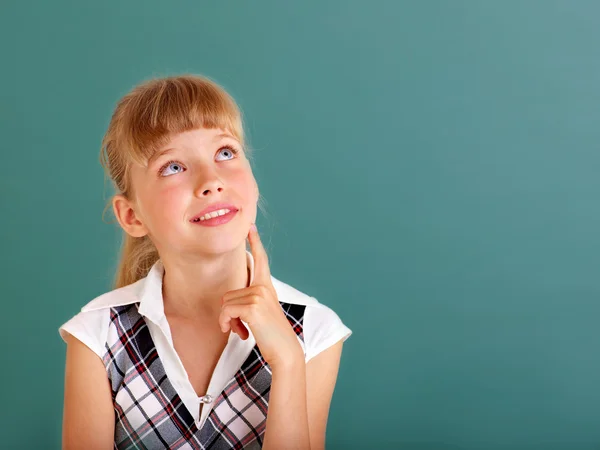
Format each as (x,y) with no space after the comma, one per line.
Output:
(221,244)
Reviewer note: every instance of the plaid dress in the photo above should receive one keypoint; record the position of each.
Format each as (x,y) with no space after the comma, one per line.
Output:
(149,414)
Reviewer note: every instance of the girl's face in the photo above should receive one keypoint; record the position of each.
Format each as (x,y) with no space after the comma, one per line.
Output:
(203,167)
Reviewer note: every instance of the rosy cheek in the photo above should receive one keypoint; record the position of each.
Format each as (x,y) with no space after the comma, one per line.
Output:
(168,200)
(244,181)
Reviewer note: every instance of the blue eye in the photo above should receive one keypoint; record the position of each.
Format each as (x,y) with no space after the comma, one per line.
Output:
(224,150)
(230,150)
(166,165)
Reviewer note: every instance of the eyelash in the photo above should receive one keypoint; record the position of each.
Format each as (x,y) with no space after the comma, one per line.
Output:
(165,165)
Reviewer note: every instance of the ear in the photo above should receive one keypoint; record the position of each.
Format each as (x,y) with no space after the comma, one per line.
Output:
(126,216)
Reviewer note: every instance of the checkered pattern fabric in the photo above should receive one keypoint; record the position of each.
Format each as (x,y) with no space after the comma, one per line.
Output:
(149,414)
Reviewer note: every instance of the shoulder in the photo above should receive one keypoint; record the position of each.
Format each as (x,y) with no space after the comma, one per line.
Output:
(322,326)
(90,324)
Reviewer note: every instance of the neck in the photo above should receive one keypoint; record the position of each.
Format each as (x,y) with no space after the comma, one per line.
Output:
(194,289)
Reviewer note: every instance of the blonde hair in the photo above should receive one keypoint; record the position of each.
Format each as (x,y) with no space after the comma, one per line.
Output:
(144,121)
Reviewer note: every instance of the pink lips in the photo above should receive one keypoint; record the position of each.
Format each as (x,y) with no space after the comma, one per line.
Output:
(215,221)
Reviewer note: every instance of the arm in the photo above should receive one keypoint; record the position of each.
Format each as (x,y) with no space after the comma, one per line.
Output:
(287,421)
(88,416)
(297,417)
(300,393)
(321,375)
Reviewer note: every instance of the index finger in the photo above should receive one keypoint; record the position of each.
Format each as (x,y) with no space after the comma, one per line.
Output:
(262,273)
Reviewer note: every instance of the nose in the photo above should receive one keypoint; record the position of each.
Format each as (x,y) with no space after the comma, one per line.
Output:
(209,184)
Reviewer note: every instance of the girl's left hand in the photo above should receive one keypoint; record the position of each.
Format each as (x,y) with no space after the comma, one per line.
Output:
(259,307)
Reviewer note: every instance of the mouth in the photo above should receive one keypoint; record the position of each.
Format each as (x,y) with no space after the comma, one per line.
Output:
(216,217)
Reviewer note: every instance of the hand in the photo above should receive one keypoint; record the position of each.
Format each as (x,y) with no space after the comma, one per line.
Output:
(259,307)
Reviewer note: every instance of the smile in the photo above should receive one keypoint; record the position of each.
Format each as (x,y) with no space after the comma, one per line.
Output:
(215,218)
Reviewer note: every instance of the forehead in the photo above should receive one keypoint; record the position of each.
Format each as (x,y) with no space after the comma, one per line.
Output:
(192,139)
(198,136)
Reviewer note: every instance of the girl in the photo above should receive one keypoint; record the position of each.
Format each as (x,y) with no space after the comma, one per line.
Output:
(198,345)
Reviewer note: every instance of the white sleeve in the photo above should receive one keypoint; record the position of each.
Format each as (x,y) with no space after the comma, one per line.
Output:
(90,327)
(322,329)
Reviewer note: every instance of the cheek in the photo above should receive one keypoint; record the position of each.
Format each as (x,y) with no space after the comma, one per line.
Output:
(167,203)
(245,185)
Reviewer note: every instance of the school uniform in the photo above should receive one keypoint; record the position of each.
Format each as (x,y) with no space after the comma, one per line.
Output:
(156,406)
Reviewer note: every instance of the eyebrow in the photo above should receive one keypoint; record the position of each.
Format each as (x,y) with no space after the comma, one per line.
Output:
(166,151)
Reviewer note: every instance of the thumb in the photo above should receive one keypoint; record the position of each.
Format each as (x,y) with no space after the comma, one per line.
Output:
(239,328)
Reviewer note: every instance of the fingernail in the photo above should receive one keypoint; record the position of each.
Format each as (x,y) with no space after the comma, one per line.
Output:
(253,227)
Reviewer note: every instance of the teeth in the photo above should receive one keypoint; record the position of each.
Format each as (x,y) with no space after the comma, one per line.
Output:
(220,212)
